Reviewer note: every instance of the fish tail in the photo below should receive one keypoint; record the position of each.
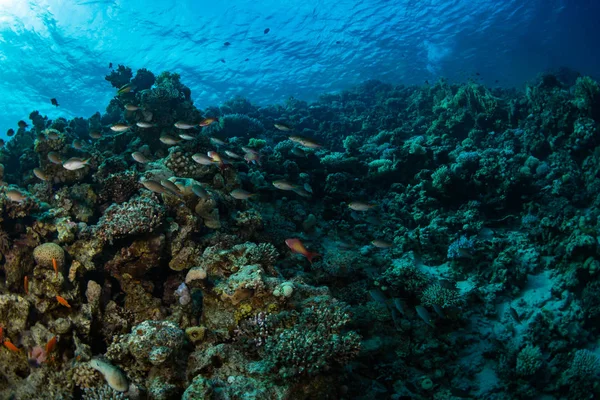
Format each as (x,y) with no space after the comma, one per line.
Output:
(310,256)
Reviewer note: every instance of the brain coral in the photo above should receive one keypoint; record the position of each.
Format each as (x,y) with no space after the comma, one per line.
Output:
(44,254)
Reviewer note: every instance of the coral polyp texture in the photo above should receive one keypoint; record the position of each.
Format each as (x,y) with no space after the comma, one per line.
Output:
(385,242)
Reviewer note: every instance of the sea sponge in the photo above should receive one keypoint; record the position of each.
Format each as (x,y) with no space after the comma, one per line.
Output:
(196,273)
(196,333)
(44,253)
(115,378)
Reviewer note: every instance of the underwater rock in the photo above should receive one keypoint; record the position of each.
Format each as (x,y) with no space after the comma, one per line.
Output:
(137,259)
(152,342)
(14,311)
(141,214)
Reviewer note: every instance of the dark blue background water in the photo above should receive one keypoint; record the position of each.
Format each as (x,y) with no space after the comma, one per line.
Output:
(57,48)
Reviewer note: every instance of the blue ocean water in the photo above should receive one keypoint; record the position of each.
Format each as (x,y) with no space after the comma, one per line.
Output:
(299,200)
(62,49)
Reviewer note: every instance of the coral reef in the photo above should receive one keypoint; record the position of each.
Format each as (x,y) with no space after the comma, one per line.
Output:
(456,227)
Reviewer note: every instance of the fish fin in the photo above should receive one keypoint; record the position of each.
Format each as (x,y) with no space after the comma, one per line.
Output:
(310,256)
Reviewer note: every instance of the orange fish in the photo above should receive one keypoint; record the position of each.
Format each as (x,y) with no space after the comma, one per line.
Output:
(1,333)
(62,301)
(55,266)
(297,247)
(26,284)
(11,346)
(208,121)
(51,344)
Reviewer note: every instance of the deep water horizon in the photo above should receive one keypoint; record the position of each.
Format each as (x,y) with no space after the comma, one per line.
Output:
(295,201)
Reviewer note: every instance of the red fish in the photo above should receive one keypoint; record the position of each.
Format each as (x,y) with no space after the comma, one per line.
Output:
(11,347)
(55,266)
(297,247)
(208,121)
(1,333)
(62,301)
(51,344)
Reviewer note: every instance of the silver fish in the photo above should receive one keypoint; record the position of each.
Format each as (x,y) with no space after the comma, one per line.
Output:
(200,191)
(153,186)
(169,140)
(120,127)
(399,304)
(378,296)
(54,158)
(424,314)
(185,136)
(202,159)
(184,125)
(144,125)
(40,174)
(139,157)
(232,154)
(171,187)
(75,163)
(241,194)
(16,196)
